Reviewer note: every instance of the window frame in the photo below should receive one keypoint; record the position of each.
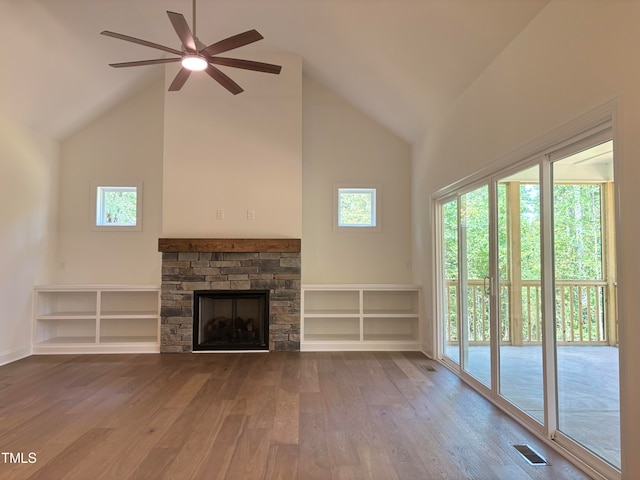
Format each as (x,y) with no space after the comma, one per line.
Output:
(98,190)
(339,188)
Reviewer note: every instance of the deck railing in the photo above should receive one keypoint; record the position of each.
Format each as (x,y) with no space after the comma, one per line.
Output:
(581,316)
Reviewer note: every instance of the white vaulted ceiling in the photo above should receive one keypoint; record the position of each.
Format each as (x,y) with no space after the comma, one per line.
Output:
(400,61)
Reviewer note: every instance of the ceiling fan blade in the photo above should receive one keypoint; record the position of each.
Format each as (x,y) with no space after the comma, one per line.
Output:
(179,79)
(224,80)
(181,27)
(139,41)
(232,42)
(246,64)
(144,62)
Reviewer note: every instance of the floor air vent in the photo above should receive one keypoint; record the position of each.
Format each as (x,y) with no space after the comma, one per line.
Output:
(530,455)
(428,368)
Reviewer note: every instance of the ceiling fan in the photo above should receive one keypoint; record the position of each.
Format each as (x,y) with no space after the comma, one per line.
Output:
(196,56)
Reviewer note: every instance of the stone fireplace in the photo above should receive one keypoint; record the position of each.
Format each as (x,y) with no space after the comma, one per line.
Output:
(227,265)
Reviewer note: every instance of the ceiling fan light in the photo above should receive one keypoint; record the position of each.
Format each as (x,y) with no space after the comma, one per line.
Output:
(194,62)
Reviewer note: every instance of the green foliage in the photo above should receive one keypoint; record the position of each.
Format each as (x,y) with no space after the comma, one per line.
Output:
(356,208)
(577,232)
(450,244)
(474,223)
(530,231)
(120,208)
(503,234)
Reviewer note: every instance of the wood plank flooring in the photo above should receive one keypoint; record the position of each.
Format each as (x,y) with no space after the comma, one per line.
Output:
(364,415)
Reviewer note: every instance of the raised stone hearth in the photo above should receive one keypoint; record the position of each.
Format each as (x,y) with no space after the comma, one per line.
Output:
(230,264)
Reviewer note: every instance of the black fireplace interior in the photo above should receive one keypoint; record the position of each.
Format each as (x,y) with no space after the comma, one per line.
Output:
(230,320)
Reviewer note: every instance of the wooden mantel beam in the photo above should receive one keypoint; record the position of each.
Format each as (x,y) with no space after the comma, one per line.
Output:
(245,245)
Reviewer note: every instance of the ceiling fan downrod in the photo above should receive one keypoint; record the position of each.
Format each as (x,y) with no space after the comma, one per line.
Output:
(194,21)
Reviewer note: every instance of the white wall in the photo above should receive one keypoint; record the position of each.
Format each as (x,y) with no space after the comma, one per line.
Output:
(28,183)
(234,153)
(575,56)
(341,144)
(124,144)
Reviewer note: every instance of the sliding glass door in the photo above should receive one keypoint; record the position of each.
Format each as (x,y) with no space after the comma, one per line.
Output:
(588,403)
(466,332)
(519,291)
(527,294)
(451,285)
(474,277)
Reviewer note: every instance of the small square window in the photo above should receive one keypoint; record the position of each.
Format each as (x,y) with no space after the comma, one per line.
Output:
(117,207)
(356,207)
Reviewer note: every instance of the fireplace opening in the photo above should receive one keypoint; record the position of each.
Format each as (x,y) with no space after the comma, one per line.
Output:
(230,320)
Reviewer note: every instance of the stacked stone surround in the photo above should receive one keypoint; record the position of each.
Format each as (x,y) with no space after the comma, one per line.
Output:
(184,272)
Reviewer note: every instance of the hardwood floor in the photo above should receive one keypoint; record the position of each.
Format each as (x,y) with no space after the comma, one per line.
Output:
(255,416)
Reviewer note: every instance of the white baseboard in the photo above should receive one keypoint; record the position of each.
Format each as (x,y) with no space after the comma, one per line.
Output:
(13,355)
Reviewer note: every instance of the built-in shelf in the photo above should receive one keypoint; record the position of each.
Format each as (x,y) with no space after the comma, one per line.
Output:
(96,319)
(360,317)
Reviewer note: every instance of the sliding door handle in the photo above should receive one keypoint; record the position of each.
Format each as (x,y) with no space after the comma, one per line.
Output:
(487,290)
